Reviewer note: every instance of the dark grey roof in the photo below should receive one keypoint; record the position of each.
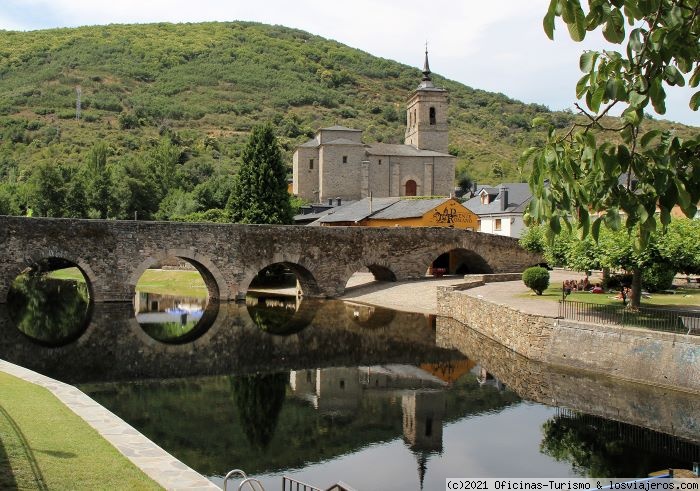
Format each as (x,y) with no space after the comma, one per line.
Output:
(359,210)
(311,143)
(340,128)
(409,208)
(519,195)
(402,151)
(343,141)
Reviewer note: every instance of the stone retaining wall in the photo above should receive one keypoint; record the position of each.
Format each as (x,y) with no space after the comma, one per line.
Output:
(640,355)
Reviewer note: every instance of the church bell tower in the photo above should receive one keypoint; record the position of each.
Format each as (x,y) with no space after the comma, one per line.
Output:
(426,115)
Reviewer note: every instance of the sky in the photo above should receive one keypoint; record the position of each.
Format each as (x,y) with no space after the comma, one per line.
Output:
(497,45)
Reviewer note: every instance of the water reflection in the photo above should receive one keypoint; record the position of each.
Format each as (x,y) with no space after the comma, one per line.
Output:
(50,311)
(280,314)
(599,447)
(399,400)
(173,319)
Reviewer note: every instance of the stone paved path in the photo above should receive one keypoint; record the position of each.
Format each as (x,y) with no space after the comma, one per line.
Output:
(159,465)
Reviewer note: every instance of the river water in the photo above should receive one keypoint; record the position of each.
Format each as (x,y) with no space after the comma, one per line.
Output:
(328,391)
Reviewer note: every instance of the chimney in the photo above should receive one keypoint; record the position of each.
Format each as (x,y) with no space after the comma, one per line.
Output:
(330,201)
(504,198)
(474,189)
(338,201)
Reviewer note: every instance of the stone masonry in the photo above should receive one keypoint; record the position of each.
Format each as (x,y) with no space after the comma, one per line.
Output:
(114,254)
(639,355)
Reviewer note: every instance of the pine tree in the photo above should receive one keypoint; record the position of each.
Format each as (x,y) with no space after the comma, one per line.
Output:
(259,192)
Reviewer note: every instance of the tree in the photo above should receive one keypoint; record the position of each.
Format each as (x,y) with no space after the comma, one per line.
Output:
(99,182)
(591,183)
(46,191)
(259,192)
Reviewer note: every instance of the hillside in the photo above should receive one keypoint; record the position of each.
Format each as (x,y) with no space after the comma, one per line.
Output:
(192,91)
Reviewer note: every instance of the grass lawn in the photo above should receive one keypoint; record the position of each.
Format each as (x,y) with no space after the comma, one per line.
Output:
(682,298)
(44,445)
(163,281)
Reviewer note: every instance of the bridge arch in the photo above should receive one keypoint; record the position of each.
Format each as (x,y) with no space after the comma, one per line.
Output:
(380,269)
(51,261)
(302,270)
(213,279)
(456,260)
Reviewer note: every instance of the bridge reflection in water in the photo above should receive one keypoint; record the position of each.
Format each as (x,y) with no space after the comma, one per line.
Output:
(277,384)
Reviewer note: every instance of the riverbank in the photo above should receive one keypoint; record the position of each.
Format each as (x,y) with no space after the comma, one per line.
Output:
(66,440)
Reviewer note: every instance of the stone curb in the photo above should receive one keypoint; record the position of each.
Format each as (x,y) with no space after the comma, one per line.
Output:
(155,462)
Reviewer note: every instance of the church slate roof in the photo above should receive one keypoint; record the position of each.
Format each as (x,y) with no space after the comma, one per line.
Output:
(359,210)
(340,128)
(343,141)
(409,208)
(402,151)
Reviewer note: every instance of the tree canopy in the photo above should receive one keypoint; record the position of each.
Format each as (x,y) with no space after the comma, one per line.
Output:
(616,173)
(259,193)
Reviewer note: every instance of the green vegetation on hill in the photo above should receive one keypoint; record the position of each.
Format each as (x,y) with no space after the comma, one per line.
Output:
(170,107)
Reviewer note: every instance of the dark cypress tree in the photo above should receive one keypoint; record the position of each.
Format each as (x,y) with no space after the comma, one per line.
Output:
(259,193)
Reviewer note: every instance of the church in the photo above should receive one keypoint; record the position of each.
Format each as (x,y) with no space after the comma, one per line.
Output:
(337,164)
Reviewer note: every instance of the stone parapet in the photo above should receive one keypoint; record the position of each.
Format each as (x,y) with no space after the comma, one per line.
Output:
(639,355)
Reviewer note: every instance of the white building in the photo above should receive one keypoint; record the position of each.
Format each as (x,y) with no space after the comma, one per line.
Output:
(500,209)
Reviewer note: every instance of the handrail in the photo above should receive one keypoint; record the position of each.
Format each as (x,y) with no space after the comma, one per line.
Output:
(658,319)
(300,486)
(232,475)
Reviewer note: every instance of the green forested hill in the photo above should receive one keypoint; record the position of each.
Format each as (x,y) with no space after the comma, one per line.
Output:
(166,108)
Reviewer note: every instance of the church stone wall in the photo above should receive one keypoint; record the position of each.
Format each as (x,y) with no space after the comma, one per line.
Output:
(306,179)
(338,179)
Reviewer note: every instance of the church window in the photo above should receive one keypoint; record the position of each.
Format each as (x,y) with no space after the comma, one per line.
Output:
(345,159)
(432,115)
(380,161)
(311,164)
(411,187)
(414,117)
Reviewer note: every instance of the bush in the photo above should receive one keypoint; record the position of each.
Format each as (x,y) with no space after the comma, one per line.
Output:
(536,278)
(658,276)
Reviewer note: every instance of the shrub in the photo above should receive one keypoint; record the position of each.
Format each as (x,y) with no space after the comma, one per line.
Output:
(658,276)
(536,278)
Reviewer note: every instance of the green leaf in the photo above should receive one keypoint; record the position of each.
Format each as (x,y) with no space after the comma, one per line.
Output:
(577,25)
(587,61)
(695,101)
(648,137)
(581,86)
(683,195)
(612,219)
(632,11)
(635,41)
(673,76)
(695,78)
(657,95)
(614,30)
(548,22)
(615,89)
(555,225)
(595,228)
(596,99)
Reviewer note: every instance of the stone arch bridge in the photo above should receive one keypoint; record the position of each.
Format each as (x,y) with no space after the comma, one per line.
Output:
(113,254)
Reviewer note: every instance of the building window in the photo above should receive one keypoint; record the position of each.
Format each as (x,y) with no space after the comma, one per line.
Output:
(478,225)
(411,187)
(432,116)
(414,117)
(484,199)
(311,164)
(497,226)
(345,159)
(380,161)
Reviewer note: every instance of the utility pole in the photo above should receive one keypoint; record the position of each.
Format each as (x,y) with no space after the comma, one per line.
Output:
(78,92)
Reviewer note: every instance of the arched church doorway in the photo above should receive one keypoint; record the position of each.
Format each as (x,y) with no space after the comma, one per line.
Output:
(411,187)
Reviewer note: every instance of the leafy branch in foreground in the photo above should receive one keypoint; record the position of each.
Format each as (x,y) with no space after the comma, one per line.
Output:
(582,180)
